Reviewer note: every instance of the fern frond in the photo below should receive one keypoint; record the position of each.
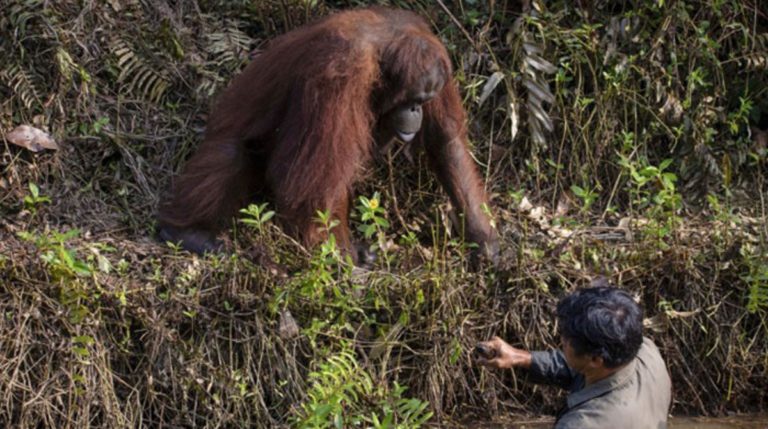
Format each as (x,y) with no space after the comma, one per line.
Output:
(20,13)
(22,83)
(757,279)
(535,71)
(227,51)
(757,61)
(229,47)
(137,74)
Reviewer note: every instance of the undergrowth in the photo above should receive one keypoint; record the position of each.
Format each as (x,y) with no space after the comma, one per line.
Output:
(617,139)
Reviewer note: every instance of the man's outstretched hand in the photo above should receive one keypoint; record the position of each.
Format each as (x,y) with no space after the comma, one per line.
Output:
(498,354)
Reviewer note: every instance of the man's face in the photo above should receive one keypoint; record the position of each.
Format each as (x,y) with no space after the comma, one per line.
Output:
(578,363)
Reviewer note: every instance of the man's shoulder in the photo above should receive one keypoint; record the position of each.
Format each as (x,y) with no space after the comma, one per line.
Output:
(650,357)
(649,347)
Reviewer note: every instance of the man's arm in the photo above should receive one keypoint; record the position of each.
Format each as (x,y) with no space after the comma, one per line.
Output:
(547,367)
(498,354)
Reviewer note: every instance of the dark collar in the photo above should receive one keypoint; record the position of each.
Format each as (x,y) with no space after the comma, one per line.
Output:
(613,381)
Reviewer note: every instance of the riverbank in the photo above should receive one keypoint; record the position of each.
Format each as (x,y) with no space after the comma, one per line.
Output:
(625,140)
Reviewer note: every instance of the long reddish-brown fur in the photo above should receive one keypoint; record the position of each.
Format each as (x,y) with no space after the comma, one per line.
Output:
(299,123)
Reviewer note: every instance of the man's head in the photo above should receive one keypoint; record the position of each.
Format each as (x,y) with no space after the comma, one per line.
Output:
(602,325)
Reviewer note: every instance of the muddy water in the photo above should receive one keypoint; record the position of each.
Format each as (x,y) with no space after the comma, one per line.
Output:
(740,422)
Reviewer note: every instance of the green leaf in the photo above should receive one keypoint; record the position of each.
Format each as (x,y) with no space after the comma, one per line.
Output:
(34,190)
(81,268)
(81,351)
(649,171)
(86,340)
(104,265)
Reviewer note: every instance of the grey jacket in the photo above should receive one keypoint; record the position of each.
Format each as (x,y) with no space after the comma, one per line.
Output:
(635,397)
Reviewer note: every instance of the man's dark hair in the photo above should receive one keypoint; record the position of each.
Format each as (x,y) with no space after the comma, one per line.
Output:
(602,321)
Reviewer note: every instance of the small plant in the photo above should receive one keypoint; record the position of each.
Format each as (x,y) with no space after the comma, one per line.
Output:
(342,394)
(257,216)
(80,345)
(34,199)
(61,260)
(586,195)
(322,283)
(487,211)
(757,279)
(68,271)
(95,127)
(739,119)
(372,216)
(516,195)
(654,190)
(329,251)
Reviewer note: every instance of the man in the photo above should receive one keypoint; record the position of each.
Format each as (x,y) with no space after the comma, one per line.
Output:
(616,378)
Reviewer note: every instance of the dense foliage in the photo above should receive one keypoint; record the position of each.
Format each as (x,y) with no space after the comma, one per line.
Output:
(624,139)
